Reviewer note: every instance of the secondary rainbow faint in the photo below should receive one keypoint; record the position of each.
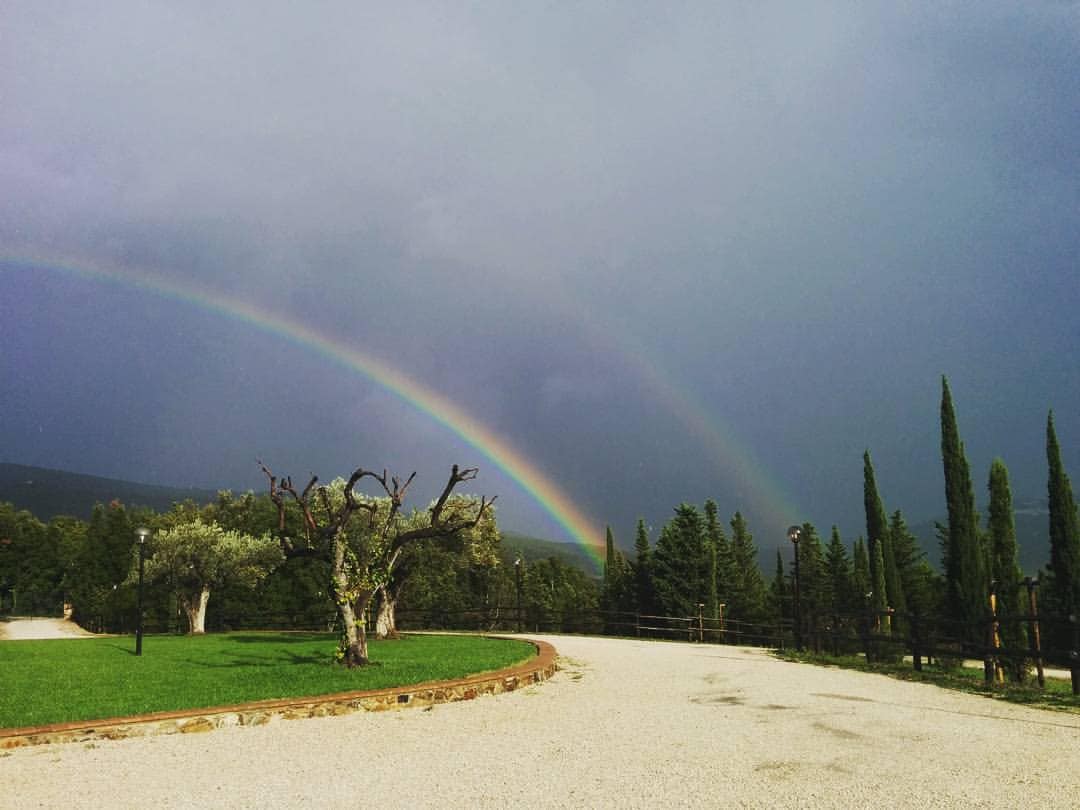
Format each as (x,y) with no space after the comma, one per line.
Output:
(497,449)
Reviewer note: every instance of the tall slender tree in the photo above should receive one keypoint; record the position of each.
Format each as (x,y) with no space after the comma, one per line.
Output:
(877,533)
(860,564)
(716,550)
(1064,590)
(644,594)
(965,559)
(1005,566)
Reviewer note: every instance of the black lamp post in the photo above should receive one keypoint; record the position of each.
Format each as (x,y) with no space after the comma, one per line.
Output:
(517,582)
(142,533)
(794,534)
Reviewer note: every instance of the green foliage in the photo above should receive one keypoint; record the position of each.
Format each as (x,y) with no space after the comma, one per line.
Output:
(878,535)
(747,594)
(680,564)
(964,558)
(860,579)
(717,562)
(779,600)
(83,679)
(193,557)
(1005,566)
(559,597)
(813,582)
(31,564)
(1063,593)
(839,575)
(644,593)
(617,593)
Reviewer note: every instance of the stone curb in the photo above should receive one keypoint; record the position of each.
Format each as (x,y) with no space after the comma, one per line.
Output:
(188,721)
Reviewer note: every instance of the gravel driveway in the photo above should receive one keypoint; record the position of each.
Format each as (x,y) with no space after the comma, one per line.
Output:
(624,724)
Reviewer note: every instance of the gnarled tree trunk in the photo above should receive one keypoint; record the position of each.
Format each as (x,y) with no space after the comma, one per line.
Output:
(194,605)
(386,617)
(352,644)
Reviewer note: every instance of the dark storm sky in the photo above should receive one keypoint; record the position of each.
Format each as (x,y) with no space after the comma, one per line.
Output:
(669,251)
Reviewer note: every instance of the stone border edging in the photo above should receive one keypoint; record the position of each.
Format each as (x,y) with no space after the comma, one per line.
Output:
(261,712)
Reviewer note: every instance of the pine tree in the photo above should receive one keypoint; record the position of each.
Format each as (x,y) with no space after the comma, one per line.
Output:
(1005,565)
(778,590)
(908,558)
(678,563)
(747,601)
(965,560)
(1064,584)
(877,532)
(644,596)
(841,594)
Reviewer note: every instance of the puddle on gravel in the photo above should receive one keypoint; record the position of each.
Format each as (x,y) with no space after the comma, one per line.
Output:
(842,697)
(718,698)
(842,733)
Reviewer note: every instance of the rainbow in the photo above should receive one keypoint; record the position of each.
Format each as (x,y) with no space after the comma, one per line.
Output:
(761,498)
(497,449)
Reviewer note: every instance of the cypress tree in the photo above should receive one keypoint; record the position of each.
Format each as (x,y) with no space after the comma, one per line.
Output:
(643,584)
(1064,591)
(1005,565)
(860,579)
(717,554)
(879,593)
(965,560)
(877,533)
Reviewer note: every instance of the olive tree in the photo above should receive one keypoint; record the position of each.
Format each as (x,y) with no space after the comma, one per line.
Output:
(195,556)
(363,537)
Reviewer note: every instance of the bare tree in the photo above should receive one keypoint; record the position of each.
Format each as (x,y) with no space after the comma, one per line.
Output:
(362,557)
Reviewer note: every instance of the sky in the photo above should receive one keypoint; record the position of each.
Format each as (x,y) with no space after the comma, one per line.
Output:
(617,256)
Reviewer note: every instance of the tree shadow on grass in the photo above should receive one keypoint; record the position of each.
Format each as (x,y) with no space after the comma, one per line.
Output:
(279,638)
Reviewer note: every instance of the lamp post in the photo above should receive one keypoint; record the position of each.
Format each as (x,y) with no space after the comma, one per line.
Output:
(794,534)
(142,533)
(517,582)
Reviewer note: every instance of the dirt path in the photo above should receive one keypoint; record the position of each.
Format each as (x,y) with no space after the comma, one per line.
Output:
(624,724)
(16,629)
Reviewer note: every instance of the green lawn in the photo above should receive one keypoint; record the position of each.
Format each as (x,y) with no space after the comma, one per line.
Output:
(81,679)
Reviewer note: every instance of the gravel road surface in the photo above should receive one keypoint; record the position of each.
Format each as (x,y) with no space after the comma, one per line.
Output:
(22,629)
(623,724)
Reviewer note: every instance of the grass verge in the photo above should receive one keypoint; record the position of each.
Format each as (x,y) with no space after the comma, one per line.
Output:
(59,680)
(1057,695)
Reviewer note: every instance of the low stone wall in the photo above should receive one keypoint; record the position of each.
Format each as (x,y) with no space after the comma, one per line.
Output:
(191,721)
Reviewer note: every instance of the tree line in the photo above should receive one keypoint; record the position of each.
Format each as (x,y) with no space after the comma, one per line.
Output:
(885,572)
(268,559)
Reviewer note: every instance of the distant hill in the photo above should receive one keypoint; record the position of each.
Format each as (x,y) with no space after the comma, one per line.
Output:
(1032,535)
(48,493)
(533,548)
